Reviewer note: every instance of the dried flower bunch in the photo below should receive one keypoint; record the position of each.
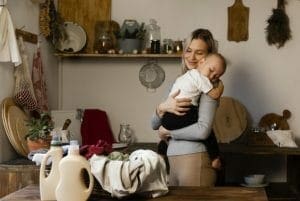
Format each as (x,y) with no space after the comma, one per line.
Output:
(278,29)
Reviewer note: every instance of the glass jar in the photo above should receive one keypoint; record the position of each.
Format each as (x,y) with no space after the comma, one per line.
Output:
(125,134)
(178,47)
(167,46)
(104,43)
(152,40)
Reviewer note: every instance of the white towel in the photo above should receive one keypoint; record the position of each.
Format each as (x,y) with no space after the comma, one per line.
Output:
(282,138)
(9,51)
(144,173)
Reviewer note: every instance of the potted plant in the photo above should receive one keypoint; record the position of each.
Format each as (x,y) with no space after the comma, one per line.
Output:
(131,36)
(39,129)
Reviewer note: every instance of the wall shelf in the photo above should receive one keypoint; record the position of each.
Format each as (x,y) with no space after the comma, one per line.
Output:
(118,55)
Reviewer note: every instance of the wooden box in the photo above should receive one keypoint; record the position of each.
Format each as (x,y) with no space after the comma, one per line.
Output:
(17,174)
(259,139)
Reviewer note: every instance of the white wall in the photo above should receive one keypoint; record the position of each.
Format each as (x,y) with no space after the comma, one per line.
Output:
(25,13)
(259,76)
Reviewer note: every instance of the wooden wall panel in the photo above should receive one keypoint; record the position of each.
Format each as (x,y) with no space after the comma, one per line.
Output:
(15,177)
(86,13)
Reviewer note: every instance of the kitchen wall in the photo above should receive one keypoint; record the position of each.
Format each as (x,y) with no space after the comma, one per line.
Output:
(25,14)
(260,76)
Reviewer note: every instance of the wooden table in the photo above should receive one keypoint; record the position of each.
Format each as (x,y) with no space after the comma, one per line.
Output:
(31,193)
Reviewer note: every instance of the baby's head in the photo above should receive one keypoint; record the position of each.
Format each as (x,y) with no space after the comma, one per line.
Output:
(213,66)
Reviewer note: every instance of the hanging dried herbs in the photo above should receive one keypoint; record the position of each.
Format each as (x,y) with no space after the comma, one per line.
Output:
(51,24)
(278,30)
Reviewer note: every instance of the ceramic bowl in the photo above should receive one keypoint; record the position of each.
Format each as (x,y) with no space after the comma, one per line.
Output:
(254,179)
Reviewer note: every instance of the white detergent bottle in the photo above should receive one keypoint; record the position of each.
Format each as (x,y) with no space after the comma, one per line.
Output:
(71,185)
(48,182)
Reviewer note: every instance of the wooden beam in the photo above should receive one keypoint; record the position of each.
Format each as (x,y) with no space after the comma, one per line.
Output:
(27,36)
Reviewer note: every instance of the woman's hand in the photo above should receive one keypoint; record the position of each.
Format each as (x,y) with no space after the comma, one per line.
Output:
(163,133)
(173,105)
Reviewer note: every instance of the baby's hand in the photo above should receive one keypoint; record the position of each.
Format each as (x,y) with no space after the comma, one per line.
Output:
(216,163)
(217,91)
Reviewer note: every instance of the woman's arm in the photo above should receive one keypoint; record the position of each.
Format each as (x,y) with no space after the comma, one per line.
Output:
(172,105)
(201,129)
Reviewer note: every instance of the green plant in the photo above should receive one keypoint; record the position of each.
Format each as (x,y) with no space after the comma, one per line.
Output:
(40,127)
(138,33)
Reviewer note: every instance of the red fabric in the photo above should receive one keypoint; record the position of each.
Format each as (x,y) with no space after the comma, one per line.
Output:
(38,81)
(95,127)
(100,148)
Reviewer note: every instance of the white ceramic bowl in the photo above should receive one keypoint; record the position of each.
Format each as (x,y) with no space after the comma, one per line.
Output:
(254,179)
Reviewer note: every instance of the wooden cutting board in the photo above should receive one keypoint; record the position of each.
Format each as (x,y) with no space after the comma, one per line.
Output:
(230,120)
(86,13)
(238,19)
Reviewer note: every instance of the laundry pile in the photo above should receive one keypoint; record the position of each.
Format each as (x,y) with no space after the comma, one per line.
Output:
(144,174)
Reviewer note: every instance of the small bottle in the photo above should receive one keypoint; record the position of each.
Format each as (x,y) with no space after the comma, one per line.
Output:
(153,37)
(71,185)
(48,183)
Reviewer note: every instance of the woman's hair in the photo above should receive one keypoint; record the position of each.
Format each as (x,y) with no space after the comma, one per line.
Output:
(206,36)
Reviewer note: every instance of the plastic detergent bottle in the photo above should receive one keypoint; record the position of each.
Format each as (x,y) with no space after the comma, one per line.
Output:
(49,181)
(71,185)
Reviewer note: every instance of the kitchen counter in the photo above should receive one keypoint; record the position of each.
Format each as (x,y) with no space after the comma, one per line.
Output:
(31,193)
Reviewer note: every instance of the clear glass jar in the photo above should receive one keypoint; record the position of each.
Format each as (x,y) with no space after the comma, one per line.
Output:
(153,37)
(167,46)
(125,134)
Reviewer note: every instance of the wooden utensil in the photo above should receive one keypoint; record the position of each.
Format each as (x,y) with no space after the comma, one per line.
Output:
(275,121)
(230,120)
(238,18)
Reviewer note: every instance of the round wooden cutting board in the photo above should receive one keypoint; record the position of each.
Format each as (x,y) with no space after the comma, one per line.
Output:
(16,120)
(230,120)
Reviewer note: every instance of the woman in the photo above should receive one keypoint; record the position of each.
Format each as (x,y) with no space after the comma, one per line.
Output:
(190,164)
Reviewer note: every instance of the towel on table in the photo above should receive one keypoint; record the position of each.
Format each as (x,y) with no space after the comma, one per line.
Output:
(282,138)
(144,173)
(95,127)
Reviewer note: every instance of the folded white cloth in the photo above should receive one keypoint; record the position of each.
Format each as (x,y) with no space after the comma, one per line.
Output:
(37,158)
(282,138)
(9,51)
(144,173)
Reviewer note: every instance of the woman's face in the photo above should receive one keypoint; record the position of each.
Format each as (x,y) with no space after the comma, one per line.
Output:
(196,51)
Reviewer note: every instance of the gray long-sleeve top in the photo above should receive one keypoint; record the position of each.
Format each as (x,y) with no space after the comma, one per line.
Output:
(186,140)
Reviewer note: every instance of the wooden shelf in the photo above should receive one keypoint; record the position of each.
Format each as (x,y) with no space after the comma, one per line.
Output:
(118,55)
(252,149)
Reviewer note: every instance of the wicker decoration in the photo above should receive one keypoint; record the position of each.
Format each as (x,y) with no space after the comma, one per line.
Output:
(44,19)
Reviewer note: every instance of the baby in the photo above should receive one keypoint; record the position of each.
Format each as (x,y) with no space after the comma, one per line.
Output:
(191,85)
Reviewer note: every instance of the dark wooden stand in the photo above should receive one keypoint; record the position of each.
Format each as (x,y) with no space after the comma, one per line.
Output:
(289,190)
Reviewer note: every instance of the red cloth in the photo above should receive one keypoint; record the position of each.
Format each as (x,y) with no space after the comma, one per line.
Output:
(38,81)
(95,127)
(100,148)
